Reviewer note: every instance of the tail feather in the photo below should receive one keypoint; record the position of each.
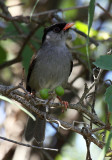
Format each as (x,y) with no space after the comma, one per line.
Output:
(29,132)
(36,128)
(39,132)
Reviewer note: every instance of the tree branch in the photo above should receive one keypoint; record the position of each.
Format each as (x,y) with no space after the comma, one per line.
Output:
(31,104)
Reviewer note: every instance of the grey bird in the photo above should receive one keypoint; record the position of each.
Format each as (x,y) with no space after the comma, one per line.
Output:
(50,68)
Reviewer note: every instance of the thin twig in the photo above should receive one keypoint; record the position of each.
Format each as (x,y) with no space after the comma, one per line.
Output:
(104,10)
(59,10)
(85,35)
(7,13)
(28,145)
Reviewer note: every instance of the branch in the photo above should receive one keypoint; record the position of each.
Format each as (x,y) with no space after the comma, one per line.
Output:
(31,104)
(28,19)
(7,13)
(106,12)
(28,145)
(85,35)
(16,95)
(59,10)
(9,63)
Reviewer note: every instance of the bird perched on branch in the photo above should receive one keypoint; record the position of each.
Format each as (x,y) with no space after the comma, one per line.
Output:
(50,68)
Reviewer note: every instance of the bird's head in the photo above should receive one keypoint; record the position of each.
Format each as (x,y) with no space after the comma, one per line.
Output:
(57,33)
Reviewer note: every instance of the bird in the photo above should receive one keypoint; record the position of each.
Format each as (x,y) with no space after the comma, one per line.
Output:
(51,67)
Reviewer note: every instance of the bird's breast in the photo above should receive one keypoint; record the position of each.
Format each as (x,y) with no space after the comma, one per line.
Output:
(51,69)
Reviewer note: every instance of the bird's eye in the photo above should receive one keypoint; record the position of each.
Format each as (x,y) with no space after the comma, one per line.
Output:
(57,30)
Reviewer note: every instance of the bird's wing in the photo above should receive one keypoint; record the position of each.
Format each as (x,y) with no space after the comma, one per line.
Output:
(71,67)
(32,64)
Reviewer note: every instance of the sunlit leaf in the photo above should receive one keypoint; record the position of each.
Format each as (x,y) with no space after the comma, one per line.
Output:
(59,157)
(84,28)
(104,62)
(13,103)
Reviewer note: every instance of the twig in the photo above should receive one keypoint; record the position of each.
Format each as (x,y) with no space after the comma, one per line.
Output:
(94,94)
(14,95)
(100,128)
(28,145)
(20,19)
(28,104)
(86,134)
(59,10)
(85,35)
(7,13)
(104,10)
(88,155)
(9,63)
(34,17)
(59,124)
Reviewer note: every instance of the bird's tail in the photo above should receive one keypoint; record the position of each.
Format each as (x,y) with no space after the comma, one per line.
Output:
(36,128)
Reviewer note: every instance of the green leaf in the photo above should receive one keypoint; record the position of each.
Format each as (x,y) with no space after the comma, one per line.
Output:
(10,28)
(84,28)
(90,14)
(3,55)
(11,31)
(108,97)
(104,62)
(28,52)
(39,33)
(90,20)
(26,57)
(13,103)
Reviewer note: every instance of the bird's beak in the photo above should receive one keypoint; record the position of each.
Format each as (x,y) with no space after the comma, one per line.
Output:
(67,26)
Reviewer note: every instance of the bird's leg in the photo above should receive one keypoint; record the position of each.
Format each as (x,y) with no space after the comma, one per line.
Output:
(65,103)
(30,94)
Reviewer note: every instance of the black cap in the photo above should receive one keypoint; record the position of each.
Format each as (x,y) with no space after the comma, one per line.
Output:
(48,29)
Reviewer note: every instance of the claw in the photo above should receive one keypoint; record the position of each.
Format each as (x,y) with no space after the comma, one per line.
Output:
(65,103)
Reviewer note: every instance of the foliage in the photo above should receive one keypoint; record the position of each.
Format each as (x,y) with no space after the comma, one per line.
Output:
(104,62)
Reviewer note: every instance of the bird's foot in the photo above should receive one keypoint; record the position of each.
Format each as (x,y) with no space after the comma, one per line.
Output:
(65,103)
(29,95)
